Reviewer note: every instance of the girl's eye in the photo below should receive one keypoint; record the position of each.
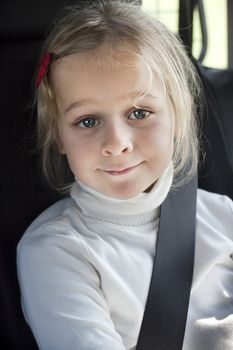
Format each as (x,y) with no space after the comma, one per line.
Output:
(87,123)
(139,114)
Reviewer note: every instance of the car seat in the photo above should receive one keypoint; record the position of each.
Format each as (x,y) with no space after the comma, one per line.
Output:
(23,25)
(216,118)
(216,169)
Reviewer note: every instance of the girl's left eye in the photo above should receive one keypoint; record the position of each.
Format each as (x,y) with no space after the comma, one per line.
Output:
(139,114)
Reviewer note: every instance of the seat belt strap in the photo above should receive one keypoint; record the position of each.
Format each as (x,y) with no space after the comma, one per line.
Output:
(165,315)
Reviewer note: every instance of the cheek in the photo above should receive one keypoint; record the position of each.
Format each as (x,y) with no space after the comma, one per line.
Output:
(79,154)
(77,162)
(159,139)
(68,140)
(74,150)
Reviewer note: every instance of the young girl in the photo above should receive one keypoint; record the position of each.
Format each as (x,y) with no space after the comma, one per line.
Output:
(116,126)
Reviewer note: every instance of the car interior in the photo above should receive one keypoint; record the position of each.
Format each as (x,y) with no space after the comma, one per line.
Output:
(24,194)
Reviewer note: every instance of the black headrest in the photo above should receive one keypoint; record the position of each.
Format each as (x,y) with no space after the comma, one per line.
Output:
(28,20)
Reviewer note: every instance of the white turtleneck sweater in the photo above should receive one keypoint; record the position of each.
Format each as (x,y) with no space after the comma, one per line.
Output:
(85,265)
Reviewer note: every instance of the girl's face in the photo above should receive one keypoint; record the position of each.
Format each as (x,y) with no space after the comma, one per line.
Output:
(112,146)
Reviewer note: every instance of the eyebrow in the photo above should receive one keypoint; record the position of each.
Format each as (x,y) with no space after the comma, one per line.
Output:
(82,102)
(77,104)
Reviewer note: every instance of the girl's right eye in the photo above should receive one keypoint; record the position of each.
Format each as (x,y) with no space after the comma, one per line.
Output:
(87,123)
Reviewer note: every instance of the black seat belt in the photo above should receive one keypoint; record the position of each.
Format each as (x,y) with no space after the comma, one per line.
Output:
(164,320)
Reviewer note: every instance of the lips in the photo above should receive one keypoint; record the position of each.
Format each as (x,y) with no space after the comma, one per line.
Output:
(120,171)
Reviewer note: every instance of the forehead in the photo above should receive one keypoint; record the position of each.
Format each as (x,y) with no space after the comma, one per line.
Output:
(104,70)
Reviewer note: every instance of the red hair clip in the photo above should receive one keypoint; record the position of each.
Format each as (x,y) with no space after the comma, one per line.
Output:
(44,66)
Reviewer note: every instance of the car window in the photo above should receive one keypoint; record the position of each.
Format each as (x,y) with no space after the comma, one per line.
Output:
(216,22)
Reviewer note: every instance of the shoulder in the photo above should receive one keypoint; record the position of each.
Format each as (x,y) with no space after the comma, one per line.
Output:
(214,200)
(214,239)
(215,207)
(52,232)
(54,213)
(214,220)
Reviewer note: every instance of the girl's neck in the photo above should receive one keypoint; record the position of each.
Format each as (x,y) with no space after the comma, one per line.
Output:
(140,209)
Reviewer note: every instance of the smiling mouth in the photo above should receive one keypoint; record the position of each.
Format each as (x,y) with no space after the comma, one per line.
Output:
(121,171)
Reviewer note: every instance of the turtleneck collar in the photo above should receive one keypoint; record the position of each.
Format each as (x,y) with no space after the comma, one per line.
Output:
(142,209)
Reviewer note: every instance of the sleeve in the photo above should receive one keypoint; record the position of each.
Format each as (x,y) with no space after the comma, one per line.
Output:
(61,294)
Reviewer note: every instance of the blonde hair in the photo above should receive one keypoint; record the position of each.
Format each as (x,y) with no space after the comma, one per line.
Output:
(114,23)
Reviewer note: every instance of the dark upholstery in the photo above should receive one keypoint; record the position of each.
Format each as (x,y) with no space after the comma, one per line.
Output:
(23,195)
(23,25)
(216,172)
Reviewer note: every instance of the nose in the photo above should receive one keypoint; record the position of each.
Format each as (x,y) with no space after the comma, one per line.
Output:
(117,140)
